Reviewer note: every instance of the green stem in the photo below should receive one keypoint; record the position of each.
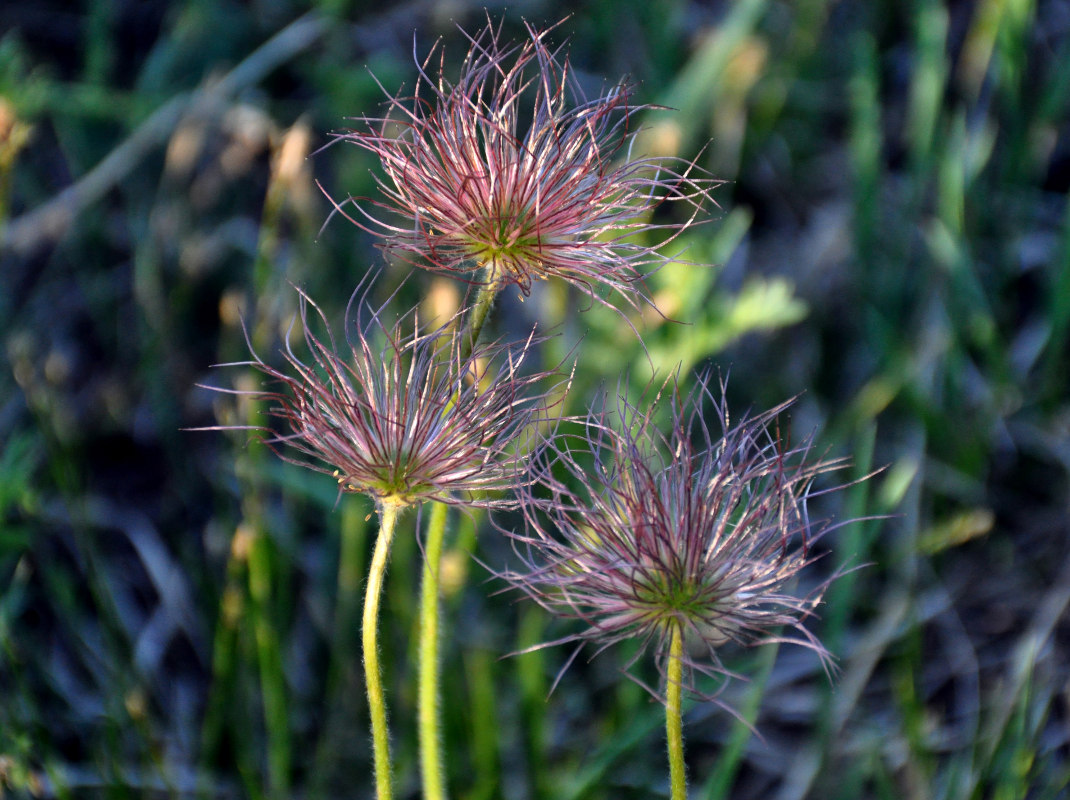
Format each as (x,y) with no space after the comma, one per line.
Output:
(388,514)
(272,677)
(478,315)
(674,722)
(429,726)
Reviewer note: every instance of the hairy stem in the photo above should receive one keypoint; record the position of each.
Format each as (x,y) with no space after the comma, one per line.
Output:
(478,315)
(429,726)
(674,723)
(388,514)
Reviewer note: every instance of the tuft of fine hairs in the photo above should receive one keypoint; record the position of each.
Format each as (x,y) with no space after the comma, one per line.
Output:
(399,413)
(467,189)
(634,532)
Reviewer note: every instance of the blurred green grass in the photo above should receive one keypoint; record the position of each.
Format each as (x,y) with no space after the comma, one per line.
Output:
(177,609)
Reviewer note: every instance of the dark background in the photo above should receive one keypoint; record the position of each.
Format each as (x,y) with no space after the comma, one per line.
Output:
(177,608)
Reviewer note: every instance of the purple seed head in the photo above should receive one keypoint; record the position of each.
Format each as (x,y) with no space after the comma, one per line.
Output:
(399,415)
(636,532)
(512,170)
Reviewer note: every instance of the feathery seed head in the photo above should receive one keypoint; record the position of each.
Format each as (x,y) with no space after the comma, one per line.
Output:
(399,415)
(468,189)
(687,530)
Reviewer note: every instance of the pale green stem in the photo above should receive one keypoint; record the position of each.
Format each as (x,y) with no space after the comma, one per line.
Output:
(428,700)
(429,726)
(478,315)
(674,722)
(388,514)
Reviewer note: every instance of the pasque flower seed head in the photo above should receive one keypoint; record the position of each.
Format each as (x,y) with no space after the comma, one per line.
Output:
(513,172)
(399,414)
(636,532)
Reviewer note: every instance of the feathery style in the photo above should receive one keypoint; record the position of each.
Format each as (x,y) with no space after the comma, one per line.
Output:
(641,534)
(401,416)
(471,185)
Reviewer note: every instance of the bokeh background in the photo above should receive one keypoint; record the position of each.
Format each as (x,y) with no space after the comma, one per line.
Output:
(178,610)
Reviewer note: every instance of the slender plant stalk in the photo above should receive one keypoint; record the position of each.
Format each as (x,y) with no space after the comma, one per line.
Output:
(388,514)
(272,679)
(429,708)
(674,723)
(484,302)
(429,725)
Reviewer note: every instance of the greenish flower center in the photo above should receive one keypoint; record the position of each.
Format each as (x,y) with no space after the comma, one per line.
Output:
(669,597)
(511,236)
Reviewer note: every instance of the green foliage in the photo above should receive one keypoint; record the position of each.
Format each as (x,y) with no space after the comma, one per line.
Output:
(178,609)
